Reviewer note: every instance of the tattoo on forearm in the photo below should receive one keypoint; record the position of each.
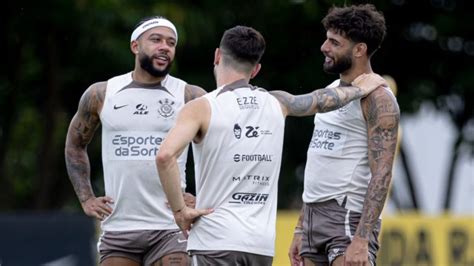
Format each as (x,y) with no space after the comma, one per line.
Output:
(81,131)
(322,100)
(383,118)
(79,172)
(330,99)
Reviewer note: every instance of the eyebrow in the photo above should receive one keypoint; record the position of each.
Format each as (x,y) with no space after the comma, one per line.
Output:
(162,36)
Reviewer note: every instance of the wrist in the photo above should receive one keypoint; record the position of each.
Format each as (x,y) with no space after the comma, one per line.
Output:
(360,239)
(298,230)
(82,200)
(179,210)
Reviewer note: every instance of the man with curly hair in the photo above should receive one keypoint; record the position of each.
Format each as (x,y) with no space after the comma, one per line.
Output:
(350,156)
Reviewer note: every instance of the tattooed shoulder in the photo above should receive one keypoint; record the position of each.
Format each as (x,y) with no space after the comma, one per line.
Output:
(383,117)
(192,92)
(93,98)
(380,104)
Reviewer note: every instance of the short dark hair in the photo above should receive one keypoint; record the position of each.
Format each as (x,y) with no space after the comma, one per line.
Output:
(360,23)
(243,44)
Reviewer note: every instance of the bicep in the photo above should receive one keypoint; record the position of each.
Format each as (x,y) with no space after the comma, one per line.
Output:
(383,116)
(86,120)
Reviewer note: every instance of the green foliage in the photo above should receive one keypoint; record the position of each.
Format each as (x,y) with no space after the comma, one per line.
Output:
(55,50)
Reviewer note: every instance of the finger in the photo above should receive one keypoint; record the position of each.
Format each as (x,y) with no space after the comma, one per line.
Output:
(99,216)
(107,199)
(204,211)
(185,233)
(104,209)
(293,260)
(359,78)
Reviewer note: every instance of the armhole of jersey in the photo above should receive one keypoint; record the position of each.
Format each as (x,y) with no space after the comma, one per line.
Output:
(331,85)
(211,119)
(279,105)
(361,110)
(109,87)
(105,99)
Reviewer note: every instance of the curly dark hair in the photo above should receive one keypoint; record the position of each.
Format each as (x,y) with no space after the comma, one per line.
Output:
(360,23)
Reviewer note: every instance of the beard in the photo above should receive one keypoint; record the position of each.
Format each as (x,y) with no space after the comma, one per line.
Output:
(146,62)
(341,65)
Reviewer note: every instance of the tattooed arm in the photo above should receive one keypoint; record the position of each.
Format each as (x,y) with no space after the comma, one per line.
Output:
(192,92)
(383,115)
(295,246)
(328,99)
(81,130)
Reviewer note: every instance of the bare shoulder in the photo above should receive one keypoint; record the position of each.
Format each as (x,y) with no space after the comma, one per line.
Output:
(192,92)
(93,98)
(196,106)
(380,101)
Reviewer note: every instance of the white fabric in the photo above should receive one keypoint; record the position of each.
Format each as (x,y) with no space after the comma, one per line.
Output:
(152,23)
(135,121)
(337,164)
(237,167)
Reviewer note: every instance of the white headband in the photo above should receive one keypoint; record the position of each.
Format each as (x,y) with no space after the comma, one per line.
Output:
(156,22)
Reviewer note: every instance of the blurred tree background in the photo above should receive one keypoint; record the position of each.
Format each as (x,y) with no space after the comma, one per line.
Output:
(55,49)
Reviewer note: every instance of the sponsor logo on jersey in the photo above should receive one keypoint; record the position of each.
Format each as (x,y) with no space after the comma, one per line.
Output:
(166,108)
(247,102)
(141,109)
(252,158)
(260,180)
(325,139)
(250,131)
(133,146)
(116,107)
(249,198)
(237,131)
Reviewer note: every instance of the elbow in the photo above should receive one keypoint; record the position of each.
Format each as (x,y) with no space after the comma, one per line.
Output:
(164,158)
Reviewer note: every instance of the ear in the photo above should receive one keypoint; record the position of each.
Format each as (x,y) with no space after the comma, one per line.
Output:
(134,47)
(360,49)
(217,56)
(255,70)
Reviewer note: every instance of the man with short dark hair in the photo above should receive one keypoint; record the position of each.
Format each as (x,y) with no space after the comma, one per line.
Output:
(237,134)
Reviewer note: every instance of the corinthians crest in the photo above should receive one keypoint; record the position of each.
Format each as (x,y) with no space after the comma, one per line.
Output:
(166,107)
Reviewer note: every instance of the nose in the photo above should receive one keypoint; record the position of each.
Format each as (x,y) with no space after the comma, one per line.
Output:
(164,47)
(324,46)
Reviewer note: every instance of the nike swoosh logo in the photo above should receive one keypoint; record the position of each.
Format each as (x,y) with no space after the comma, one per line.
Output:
(118,107)
(182,240)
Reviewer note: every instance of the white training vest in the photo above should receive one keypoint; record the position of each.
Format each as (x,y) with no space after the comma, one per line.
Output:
(337,160)
(135,120)
(237,166)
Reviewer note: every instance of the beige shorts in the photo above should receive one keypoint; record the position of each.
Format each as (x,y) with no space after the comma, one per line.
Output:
(144,246)
(229,258)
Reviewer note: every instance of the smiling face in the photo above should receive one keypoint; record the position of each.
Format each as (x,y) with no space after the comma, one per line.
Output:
(156,49)
(338,53)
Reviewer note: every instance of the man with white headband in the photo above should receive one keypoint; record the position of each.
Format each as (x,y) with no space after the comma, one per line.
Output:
(136,111)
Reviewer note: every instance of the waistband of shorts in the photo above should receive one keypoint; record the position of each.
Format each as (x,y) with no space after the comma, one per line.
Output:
(328,202)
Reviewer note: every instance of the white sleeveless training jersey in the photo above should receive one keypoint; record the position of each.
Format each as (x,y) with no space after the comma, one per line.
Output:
(237,166)
(135,120)
(337,165)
